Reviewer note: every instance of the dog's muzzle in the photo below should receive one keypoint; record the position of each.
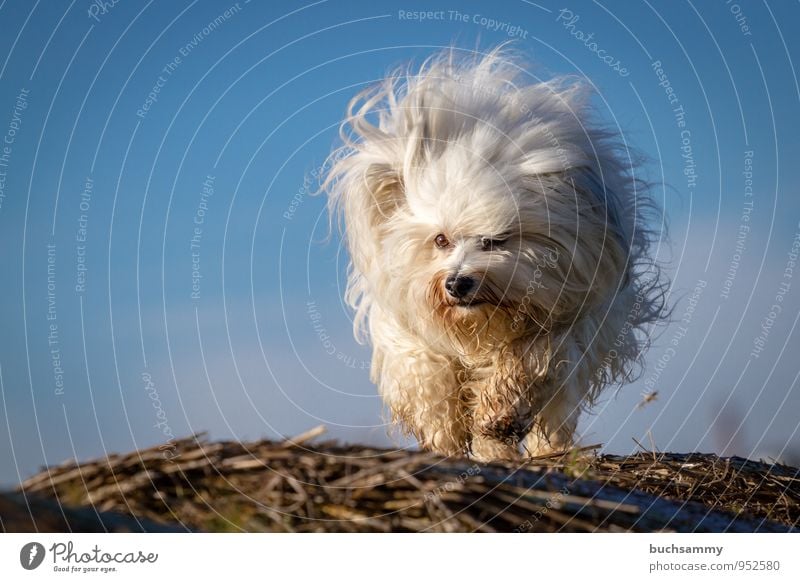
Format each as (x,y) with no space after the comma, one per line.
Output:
(459,286)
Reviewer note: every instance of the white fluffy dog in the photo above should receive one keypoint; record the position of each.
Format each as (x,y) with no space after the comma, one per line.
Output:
(499,252)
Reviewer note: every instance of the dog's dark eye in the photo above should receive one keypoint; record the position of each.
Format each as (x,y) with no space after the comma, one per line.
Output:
(441,241)
(487,244)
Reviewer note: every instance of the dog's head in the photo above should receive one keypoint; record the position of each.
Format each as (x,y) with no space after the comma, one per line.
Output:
(481,204)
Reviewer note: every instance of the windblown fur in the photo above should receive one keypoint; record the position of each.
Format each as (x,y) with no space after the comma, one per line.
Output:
(499,252)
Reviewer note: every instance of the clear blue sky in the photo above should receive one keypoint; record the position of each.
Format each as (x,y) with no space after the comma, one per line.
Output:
(118,119)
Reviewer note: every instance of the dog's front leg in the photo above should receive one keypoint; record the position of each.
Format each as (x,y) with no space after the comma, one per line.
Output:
(505,406)
(557,420)
(421,391)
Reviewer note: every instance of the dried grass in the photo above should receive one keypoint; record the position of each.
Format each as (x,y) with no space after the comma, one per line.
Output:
(290,486)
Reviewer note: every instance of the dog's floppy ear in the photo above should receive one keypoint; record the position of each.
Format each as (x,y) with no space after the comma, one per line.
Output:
(364,181)
(384,187)
(364,193)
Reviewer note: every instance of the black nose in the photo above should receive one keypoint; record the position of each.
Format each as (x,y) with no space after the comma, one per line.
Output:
(459,286)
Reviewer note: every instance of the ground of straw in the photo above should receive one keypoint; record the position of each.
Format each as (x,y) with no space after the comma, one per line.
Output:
(297,486)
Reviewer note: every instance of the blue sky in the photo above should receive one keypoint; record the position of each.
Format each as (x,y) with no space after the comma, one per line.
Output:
(216,117)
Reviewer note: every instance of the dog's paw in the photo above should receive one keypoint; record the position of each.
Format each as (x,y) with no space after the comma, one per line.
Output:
(503,420)
(487,449)
(445,442)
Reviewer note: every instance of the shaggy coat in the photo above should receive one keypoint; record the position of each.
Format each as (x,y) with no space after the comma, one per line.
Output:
(499,252)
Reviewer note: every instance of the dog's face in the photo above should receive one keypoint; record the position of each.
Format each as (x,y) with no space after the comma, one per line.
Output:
(476,211)
(479,253)
(458,250)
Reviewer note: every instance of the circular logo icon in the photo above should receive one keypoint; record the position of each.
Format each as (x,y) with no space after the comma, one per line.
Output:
(31,555)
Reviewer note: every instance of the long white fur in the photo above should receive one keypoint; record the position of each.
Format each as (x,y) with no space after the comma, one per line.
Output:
(474,148)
